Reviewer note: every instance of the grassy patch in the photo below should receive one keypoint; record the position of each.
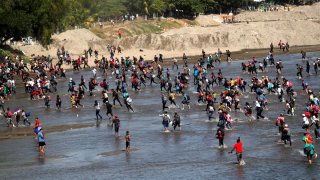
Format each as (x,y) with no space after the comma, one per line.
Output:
(140,26)
(126,32)
(150,28)
(191,22)
(13,53)
(99,32)
(169,24)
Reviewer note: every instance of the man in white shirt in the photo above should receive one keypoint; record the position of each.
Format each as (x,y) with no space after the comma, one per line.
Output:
(259,109)
(306,122)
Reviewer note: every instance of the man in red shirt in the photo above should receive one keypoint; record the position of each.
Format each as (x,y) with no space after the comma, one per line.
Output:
(36,127)
(37,123)
(238,147)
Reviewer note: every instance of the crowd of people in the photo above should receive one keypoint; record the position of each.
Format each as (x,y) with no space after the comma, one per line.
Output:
(40,82)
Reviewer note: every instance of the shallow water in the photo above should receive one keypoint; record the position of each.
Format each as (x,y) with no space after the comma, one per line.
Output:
(94,152)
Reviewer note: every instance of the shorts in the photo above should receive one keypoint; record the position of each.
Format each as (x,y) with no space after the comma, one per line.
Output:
(239,155)
(116,129)
(36,130)
(9,120)
(177,124)
(165,125)
(127,144)
(305,126)
(42,143)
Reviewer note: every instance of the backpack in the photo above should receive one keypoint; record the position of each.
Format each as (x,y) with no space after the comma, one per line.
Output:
(70,84)
(307,114)
(9,114)
(307,149)
(165,119)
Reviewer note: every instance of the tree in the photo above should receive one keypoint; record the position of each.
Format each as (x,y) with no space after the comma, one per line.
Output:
(134,6)
(20,18)
(146,7)
(159,6)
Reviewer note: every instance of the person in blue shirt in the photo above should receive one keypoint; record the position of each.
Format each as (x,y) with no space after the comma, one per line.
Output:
(42,143)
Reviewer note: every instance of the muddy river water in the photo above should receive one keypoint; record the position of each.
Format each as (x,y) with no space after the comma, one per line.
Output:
(78,147)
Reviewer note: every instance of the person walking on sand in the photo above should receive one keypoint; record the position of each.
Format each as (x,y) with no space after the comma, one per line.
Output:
(127,140)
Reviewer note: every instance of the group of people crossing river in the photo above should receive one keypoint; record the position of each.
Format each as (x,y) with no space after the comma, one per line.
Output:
(202,83)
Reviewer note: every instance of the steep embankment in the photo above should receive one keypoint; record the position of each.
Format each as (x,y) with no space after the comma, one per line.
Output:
(74,41)
(300,26)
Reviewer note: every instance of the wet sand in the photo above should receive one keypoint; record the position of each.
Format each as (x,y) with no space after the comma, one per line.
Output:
(249,53)
(25,131)
(235,55)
